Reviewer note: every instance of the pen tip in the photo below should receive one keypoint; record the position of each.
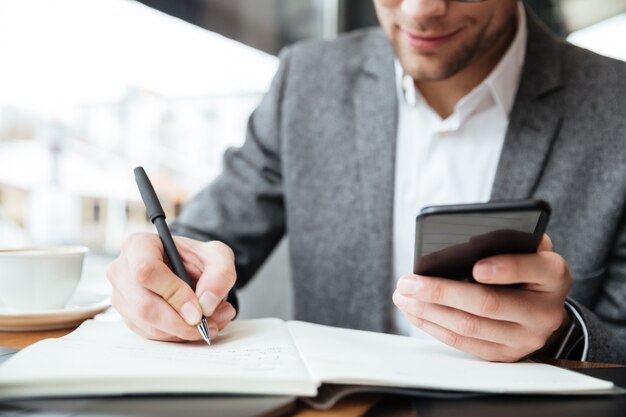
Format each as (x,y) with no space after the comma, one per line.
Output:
(203,328)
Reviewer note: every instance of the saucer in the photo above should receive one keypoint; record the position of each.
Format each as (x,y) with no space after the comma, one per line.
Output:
(82,306)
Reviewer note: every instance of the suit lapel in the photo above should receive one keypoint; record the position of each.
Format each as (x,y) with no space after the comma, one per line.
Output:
(531,133)
(375,123)
(533,124)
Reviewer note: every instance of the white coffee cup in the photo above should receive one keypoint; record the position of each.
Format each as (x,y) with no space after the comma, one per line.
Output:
(39,279)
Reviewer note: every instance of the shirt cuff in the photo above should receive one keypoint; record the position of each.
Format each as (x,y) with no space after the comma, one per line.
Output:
(575,343)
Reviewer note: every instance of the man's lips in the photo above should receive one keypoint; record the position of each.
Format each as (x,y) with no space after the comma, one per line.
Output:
(430,41)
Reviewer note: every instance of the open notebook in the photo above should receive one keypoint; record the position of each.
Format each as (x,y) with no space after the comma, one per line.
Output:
(265,356)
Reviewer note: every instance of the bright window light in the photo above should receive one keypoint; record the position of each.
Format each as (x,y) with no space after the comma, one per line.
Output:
(92,88)
(606,38)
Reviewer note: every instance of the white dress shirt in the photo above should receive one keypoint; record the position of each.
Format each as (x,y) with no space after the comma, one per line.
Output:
(449,161)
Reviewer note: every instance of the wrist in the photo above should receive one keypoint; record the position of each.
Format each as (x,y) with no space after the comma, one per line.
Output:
(553,344)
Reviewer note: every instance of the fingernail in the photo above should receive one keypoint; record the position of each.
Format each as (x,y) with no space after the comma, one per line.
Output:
(485,270)
(398,298)
(409,285)
(403,285)
(208,302)
(190,313)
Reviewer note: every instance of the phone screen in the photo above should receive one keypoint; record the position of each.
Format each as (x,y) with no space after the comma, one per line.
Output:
(449,244)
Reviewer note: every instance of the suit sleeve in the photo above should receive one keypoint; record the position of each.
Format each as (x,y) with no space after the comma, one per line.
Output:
(605,323)
(244,207)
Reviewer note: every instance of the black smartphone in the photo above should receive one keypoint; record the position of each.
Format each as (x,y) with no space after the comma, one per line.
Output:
(450,239)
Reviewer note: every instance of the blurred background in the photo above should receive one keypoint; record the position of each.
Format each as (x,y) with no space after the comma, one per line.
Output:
(92,88)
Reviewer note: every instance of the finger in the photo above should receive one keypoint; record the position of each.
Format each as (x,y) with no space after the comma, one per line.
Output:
(150,312)
(148,244)
(161,315)
(187,248)
(493,302)
(465,324)
(544,271)
(545,244)
(483,349)
(218,273)
(158,278)
(152,333)
(138,326)
(222,316)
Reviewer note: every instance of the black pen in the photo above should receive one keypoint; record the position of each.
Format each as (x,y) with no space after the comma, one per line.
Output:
(157,217)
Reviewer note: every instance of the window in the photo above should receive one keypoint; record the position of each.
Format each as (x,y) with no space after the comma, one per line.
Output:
(92,88)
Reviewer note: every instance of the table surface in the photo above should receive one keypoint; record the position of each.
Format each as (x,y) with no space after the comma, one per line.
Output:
(354,406)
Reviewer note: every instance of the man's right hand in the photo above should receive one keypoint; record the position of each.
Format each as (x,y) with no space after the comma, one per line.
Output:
(156,304)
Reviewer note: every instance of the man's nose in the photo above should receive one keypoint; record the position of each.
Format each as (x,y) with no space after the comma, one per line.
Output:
(423,9)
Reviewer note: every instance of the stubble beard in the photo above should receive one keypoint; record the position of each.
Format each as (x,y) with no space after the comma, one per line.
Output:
(427,67)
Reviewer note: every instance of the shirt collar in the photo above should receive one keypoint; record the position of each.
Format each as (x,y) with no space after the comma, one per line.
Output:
(502,82)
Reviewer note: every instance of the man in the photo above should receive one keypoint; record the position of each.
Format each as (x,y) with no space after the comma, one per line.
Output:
(459,102)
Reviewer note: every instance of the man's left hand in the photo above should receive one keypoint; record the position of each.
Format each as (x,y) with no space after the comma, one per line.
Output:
(495,323)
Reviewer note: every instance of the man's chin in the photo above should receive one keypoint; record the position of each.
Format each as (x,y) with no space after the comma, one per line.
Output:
(429,71)
(436,66)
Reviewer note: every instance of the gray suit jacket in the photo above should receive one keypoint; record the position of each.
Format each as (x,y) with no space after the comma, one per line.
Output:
(318,163)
